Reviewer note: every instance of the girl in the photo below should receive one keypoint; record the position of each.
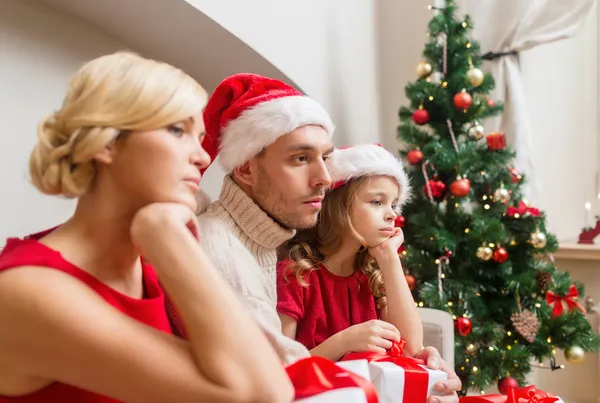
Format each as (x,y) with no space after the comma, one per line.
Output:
(82,316)
(344,274)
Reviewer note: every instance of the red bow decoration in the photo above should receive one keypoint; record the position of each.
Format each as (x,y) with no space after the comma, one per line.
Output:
(570,299)
(417,378)
(515,395)
(529,395)
(522,210)
(314,375)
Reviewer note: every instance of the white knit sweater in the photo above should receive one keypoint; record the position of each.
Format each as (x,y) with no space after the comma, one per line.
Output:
(241,239)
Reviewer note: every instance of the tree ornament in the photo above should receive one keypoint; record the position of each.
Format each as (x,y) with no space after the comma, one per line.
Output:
(538,239)
(502,195)
(526,323)
(476,132)
(544,280)
(424,69)
(436,77)
(415,157)
(500,255)
(484,253)
(421,116)
(463,326)
(399,221)
(411,281)
(462,100)
(515,175)
(475,76)
(574,354)
(460,187)
(506,383)
(496,141)
(438,189)
(491,103)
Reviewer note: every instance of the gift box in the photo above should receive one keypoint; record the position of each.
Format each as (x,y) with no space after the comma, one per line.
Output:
(528,394)
(399,379)
(318,380)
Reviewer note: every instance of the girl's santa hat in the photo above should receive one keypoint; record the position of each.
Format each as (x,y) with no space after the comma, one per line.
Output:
(353,162)
(247,112)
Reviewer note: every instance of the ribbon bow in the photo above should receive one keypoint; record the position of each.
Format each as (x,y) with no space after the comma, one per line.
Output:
(314,375)
(529,395)
(570,299)
(522,210)
(417,378)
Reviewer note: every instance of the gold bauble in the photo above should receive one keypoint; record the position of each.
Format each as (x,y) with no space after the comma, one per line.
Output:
(502,195)
(484,253)
(538,239)
(436,78)
(475,76)
(476,132)
(424,69)
(574,354)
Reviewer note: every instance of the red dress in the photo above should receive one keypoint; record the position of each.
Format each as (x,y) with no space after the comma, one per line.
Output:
(149,310)
(328,305)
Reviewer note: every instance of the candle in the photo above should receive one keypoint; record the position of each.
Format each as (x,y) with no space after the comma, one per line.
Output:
(588,215)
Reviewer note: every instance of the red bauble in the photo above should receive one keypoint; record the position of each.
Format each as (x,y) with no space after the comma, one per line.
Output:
(500,255)
(491,103)
(463,100)
(414,157)
(460,187)
(411,281)
(420,116)
(463,326)
(507,383)
(496,141)
(515,175)
(400,221)
(401,249)
(438,189)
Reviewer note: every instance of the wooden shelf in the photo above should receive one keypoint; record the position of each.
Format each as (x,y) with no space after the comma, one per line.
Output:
(574,251)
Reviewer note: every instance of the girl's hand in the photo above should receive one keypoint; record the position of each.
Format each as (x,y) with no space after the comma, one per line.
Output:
(389,248)
(374,336)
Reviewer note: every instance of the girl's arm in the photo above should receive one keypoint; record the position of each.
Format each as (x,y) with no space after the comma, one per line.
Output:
(400,309)
(67,333)
(374,335)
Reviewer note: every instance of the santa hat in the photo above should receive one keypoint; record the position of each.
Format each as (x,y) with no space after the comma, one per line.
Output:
(247,112)
(367,160)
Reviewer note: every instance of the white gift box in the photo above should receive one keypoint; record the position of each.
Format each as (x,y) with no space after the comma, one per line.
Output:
(345,395)
(390,381)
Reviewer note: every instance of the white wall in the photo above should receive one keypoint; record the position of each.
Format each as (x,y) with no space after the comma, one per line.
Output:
(327,47)
(39,50)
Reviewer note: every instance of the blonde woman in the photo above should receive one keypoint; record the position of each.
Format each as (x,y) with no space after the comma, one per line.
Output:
(82,315)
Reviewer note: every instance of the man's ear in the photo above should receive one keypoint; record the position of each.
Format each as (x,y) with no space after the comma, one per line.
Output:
(246,173)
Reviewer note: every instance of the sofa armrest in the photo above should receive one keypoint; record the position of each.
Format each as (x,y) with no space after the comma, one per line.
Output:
(438,332)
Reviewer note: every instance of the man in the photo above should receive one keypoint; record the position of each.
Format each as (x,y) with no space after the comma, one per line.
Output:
(272,141)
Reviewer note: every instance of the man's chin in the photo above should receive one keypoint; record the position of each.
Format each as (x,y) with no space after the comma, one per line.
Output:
(300,222)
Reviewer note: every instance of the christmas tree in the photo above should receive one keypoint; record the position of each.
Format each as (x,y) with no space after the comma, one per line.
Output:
(474,246)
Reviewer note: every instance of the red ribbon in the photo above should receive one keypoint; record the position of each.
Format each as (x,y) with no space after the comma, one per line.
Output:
(416,377)
(522,210)
(570,299)
(516,395)
(314,375)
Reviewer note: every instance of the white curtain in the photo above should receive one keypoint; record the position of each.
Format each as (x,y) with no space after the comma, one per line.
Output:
(505,26)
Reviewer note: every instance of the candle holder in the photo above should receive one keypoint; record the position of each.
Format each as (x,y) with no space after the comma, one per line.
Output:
(588,234)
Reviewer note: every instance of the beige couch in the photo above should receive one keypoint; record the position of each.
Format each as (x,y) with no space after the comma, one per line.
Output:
(438,331)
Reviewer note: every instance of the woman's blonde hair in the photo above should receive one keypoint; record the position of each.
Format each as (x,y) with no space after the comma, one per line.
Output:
(310,247)
(113,93)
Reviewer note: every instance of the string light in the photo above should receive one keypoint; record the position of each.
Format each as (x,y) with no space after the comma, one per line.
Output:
(538,305)
(464,315)
(484,197)
(431,238)
(509,347)
(443,275)
(450,303)
(431,98)
(491,348)
(437,261)
(444,84)
(468,45)
(453,317)
(421,304)
(464,24)
(509,333)
(487,207)
(549,339)
(455,204)
(467,360)
(467,230)
(482,173)
(517,215)
(491,245)
(475,369)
